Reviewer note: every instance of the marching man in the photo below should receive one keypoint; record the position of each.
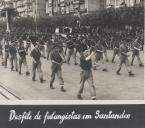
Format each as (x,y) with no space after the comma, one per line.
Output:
(86,74)
(135,53)
(57,61)
(22,57)
(36,64)
(124,59)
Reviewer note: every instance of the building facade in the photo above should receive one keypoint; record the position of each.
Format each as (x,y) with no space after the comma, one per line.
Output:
(4,4)
(54,7)
(24,7)
(128,3)
(31,8)
(38,8)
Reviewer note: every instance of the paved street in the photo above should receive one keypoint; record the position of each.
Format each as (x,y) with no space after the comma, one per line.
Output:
(109,86)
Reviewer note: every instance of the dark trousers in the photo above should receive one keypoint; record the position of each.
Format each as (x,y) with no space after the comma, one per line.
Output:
(138,58)
(37,66)
(6,58)
(98,57)
(13,59)
(1,53)
(70,53)
(48,51)
(86,75)
(116,52)
(123,60)
(105,54)
(56,69)
(22,60)
(99,60)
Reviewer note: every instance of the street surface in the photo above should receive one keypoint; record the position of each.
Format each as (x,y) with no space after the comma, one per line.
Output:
(109,86)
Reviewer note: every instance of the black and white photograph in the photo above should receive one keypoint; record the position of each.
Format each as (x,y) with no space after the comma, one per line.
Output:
(72,50)
(72,64)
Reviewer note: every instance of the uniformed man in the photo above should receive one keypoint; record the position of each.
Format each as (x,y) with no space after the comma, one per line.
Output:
(99,56)
(81,45)
(42,48)
(135,52)
(1,50)
(13,56)
(116,50)
(6,47)
(91,43)
(86,74)
(57,61)
(76,44)
(70,46)
(36,63)
(22,58)
(49,45)
(124,58)
(105,46)
(28,44)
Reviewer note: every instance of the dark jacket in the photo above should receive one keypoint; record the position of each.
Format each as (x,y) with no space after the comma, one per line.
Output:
(36,54)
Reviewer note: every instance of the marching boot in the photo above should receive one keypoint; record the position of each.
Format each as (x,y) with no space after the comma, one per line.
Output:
(62,89)
(79,97)
(27,73)
(42,81)
(131,74)
(51,86)
(118,71)
(141,65)
(104,70)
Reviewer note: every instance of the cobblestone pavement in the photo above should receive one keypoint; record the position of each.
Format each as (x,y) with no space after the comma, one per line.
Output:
(109,86)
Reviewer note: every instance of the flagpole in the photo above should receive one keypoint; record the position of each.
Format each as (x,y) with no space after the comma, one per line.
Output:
(7,17)
(36,27)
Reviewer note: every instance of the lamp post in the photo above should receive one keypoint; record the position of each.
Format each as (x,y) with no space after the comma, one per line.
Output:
(7,15)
